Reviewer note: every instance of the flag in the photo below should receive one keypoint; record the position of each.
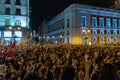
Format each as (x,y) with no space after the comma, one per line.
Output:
(0,50)
(11,49)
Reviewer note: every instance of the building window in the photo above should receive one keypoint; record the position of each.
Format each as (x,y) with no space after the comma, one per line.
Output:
(7,1)
(108,32)
(101,22)
(83,21)
(18,23)
(101,40)
(115,33)
(114,23)
(94,40)
(63,23)
(101,32)
(68,24)
(68,40)
(108,23)
(7,21)
(67,32)
(94,22)
(108,40)
(83,32)
(7,11)
(115,40)
(18,11)
(18,2)
(119,23)
(94,32)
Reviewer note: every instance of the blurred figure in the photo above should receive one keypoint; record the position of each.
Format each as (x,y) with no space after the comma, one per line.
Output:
(32,76)
(68,73)
(109,72)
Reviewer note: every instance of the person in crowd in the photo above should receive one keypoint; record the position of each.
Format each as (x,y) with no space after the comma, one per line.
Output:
(32,76)
(109,71)
(51,61)
(68,73)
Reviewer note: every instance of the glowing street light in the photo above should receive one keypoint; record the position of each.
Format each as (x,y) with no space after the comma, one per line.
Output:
(88,31)
(60,36)
(10,27)
(83,30)
(18,28)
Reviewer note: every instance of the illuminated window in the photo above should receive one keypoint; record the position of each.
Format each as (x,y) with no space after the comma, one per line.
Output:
(18,33)
(94,22)
(114,23)
(101,23)
(101,32)
(94,32)
(7,11)
(108,32)
(115,33)
(7,34)
(83,21)
(18,2)
(108,23)
(7,1)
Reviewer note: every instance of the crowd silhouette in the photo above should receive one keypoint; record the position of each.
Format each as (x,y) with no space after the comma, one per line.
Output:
(61,62)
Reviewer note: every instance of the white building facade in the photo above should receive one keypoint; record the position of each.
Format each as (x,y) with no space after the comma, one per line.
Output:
(82,24)
(14,19)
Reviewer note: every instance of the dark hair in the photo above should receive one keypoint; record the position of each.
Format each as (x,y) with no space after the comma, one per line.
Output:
(109,72)
(32,76)
(68,73)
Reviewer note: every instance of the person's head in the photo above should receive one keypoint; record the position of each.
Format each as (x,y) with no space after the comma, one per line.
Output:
(68,73)
(32,76)
(109,72)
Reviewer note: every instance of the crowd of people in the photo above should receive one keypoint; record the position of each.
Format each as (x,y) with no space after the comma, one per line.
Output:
(61,62)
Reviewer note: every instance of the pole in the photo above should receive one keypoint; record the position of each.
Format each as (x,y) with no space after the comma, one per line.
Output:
(87,67)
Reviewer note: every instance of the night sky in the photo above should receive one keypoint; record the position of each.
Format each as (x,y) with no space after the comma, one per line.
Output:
(42,9)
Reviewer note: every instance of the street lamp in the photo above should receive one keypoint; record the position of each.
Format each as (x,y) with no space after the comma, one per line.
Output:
(18,28)
(9,27)
(86,34)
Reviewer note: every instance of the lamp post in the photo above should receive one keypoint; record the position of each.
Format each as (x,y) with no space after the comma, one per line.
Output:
(89,34)
(86,34)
